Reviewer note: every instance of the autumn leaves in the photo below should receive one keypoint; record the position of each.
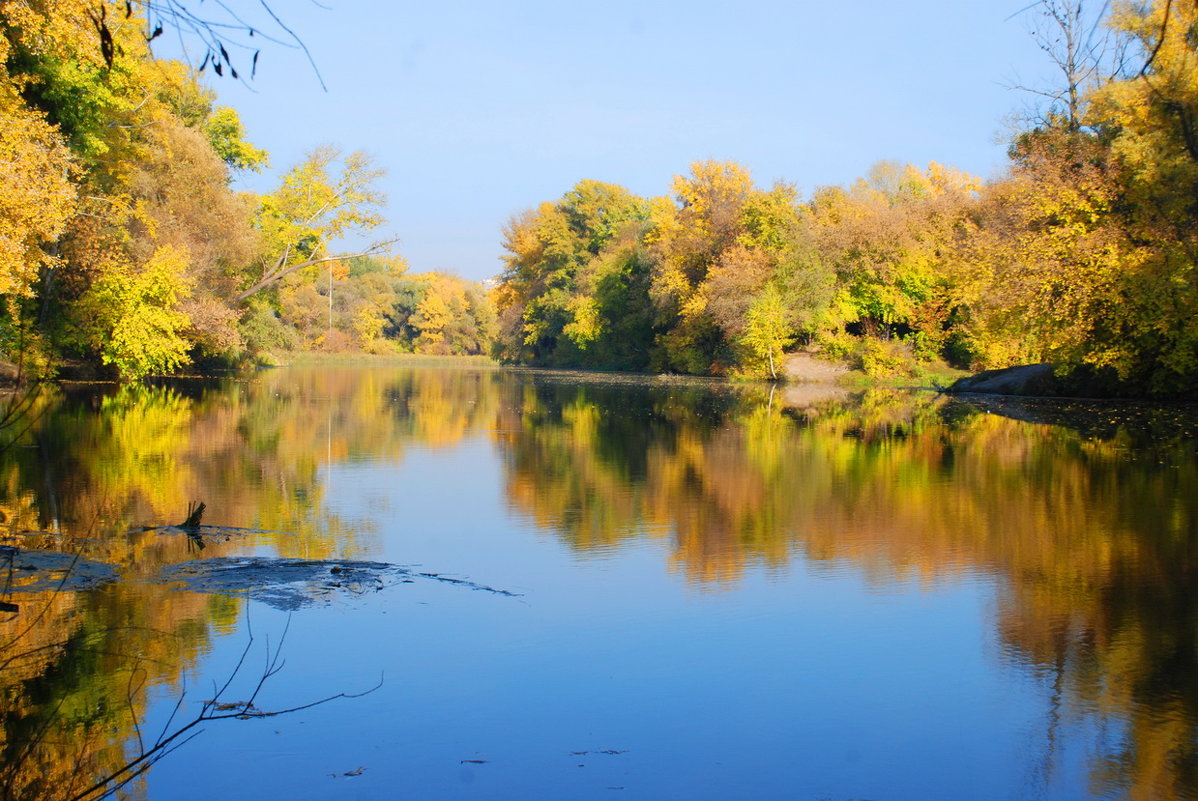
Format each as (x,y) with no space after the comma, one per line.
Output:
(1084,252)
(122,240)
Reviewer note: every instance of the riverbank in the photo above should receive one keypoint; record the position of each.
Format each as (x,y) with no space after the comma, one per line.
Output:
(810,367)
(1053,381)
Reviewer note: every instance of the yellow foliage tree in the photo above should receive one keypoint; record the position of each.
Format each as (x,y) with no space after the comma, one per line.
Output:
(134,311)
(434,316)
(38,197)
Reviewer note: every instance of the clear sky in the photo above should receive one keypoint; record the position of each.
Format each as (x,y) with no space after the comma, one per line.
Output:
(480,110)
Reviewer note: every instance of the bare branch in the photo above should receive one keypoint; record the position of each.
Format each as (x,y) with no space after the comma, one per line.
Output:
(1078,44)
(275,275)
(218,34)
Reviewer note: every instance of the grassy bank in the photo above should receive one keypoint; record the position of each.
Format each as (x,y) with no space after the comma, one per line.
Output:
(303,358)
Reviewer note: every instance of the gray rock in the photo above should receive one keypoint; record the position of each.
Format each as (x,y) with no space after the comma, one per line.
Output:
(1025,379)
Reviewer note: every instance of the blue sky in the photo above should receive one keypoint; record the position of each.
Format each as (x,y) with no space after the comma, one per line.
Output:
(480,110)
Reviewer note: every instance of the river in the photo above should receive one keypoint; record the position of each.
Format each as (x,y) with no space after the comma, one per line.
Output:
(524,585)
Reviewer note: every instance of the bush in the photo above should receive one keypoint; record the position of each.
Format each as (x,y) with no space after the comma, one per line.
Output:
(839,345)
(335,341)
(923,347)
(263,331)
(885,359)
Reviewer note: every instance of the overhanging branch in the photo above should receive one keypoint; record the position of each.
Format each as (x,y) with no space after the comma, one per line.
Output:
(275,275)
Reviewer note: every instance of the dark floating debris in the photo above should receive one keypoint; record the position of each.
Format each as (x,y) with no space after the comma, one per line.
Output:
(233,706)
(291,584)
(463,583)
(286,584)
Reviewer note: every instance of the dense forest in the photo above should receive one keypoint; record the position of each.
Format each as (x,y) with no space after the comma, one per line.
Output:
(1082,253)
(124,244)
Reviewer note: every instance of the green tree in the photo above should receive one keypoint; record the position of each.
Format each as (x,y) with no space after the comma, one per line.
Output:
(567,263)
(227,136)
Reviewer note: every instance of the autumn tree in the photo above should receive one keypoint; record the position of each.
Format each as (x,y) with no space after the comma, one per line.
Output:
(690,233)
(574,278)
(38,197)
(1039,272)
(893,240)
(766,329)
(131,188)
(377,305)
(603,279)
(132,314)
(319,200)
(1150,118)
(1089,241)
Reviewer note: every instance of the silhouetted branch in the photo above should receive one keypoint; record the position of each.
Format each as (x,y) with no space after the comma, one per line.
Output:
(216,33)
(213,709)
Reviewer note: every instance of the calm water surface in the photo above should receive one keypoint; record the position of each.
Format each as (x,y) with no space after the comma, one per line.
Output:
(719,594)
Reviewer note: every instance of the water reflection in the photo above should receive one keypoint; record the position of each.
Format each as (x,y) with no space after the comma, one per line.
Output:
(1088,529)
(1094,537)
(97,466)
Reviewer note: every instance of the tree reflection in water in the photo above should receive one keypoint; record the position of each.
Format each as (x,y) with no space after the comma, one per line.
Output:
(1092,529)
(1089,529)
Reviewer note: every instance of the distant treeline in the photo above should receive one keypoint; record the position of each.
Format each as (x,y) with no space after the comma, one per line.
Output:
(1083,253)
(374,305)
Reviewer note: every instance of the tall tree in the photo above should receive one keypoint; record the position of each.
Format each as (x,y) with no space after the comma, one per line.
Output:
(1150,119)
(572,279)
(135,141)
